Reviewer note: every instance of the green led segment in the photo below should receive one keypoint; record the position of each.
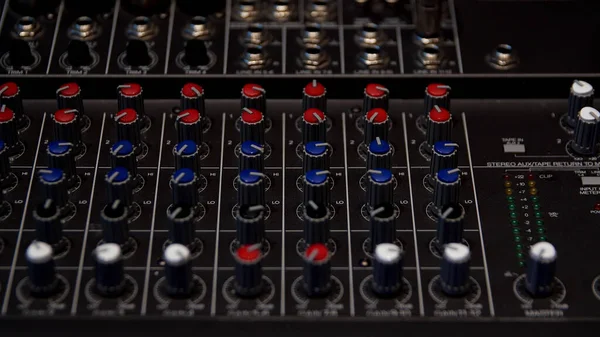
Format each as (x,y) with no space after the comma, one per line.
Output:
(540,230)
(538,214)
(535,198)
(519,246)
(542,238)
(539,222)
(510,198)
(512,207)
(536,207)
(513,215)
(517,238)
(514,222)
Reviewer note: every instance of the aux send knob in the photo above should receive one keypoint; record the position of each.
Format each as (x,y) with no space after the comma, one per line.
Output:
(375,96)
(316,274)
(314,97)
(248,270)
(314,127)
(439,126)
(128,127)
(67,126)
(377,124)
(130,96)
(8,126)
(251,156)
(254,97)
(252,126)
(10,95)
(437,94)
(68,96)
(192,97)
(189,126)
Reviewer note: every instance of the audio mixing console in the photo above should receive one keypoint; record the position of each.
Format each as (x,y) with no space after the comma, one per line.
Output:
(293,167)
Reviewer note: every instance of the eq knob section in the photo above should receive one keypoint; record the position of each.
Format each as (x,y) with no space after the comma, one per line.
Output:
(251,188)
(443,156)
(254,97)
(377,124)
(48,227)
(184,185)
(178,270)
(41,269)
(375,96)
(248,270)
(316,222)
(250,224)
(252,126)
(450,224)
(454,273)
(10,95)
(379,155)
(387,270)
(314,127)
(119,186)
(251,156)
(192,97)
(437,94)
(182,225)
(585,137)
(314,96)
(122,154)
(55,186)
(541,268)
(128,127)
(187,155)
(316,156)
(189,126)
(447,188)
(115,224)
(109,270)
(580,96)
(439,126)
(8,127)
(383,224)
(316,276)
(130,96)
(380,187)
(67,127)
(61,155)
(317,187)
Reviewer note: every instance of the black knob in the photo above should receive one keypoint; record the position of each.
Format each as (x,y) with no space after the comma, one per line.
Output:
(314,127)
(137,54)
(48,227)
(450,224)
(316,223)
(380,187)
(387,270)
(122,154)
(130,96)
(248,270)
(428,20)
(251,189)
(10,95)
(8,126)
(437,94)
(68,97)
(316,275)
(79,54)
(251,156)
(187,155)
(192,97)
(454,273)
(61,155)
(254,97)
(314,96)
(580,96)
(447,187)
(439,126)
(41,269)
(184,185)
(55,186)
(178,270)
(376,96)
(379,155)
(128,127)
(316,156)
(250,224)
(109,270)
(196,54)
(20,54)
(5,169)
(146,7)
(443,156)
(67,127)
(541,268)
(252,126)
(119,186)
(182,225)
(115,224)
(189,126)
(317,187)
(383,224)
(377,124)
(585,137)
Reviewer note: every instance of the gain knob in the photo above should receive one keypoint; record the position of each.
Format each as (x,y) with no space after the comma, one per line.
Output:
(130,96)
(444,156)
(379,155)
(8,127)
(196,54)
(447,188)
(189,126)
(454,273)
(252,126)
(439,126)
(122,154)
(383,224)
(376,96)
(380,187)
(387,270)
(10,95)
(314,127)
(251,189)
(137,54)
(67,127)
(316,187)
(55,186)
(250,224)
(187,155)
(115,224)
(248,270)
(437,94)
(450,224)
(68,97)
(541,268)
(316,156)
(41,269)
(251,156)
(316,222)
(254,97)
(314,96)
(109,270)
(178,270)
(192,97)
(61,155)
(585,137)
(184,185)
(580,96)
(128,127)
(119,186)
(182,226)
(377,124)
(48,227)
(79,54)
(21,54)
(316,276)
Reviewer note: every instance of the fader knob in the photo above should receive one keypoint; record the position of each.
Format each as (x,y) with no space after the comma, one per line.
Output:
(41,269)
(316,222)
(387,269)
(55,186)
(20,54)
(137,54)
(444,156)
(375,96)
(178,270)
(66,126)
(128,127)
(187,155)
(316,276)
(68,97)
(250,224)
(8,126)
(251,189)
(196,54)
(189,126)
(541,268)
(5,169)
(314,97)
(383,223)
(61,155)
(379,155)
(109,270)
(450,224)
(316,156)
(48,227)
(580,96)
(380,187)
(122,154)
(130,96)
(252,126)
(447,187)
(182,226)
(437,94)
(251,156)
(192,97)
(454,273)
(119,186)
(377,124)
(79,54)
(248,270)
(184,185)
(316,187)
(314,127)
(586,132)
(254,97)
(439,126)
(115,225)
(10,95)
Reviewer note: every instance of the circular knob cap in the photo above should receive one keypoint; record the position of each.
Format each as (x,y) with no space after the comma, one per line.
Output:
(251,189)
(439,126)
(541,268)
(189,126)
(182,224)
(380,187)
(454,271)
(192,97)
(128,127)
(41,269)
(251,156)
(48,227)
(585,136)
(252,126)
(137,54)
(187,155)
(250,224)
(178,270)
(379,155)
(254,97)
(316,187)
(79,54)
(316,222)
(580,96)
(437,94)
(316,156)
(184,183)
(55,186)
(130,96)
(10,95)
(196,54)
(8,126)
(387,270)
(122,154)
(450,224)
(62,155)
(316,274)
(314,96)
(314,128)
(377,125)
(248,270)
(115,225)
(376,96)
(4,162)
(447,187)
(444,156)
(383,223)
(20,54)
(119,186)
(109,270)
(66,126)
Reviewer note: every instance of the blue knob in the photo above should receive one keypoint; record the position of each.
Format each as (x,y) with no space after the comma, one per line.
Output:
(379,155)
